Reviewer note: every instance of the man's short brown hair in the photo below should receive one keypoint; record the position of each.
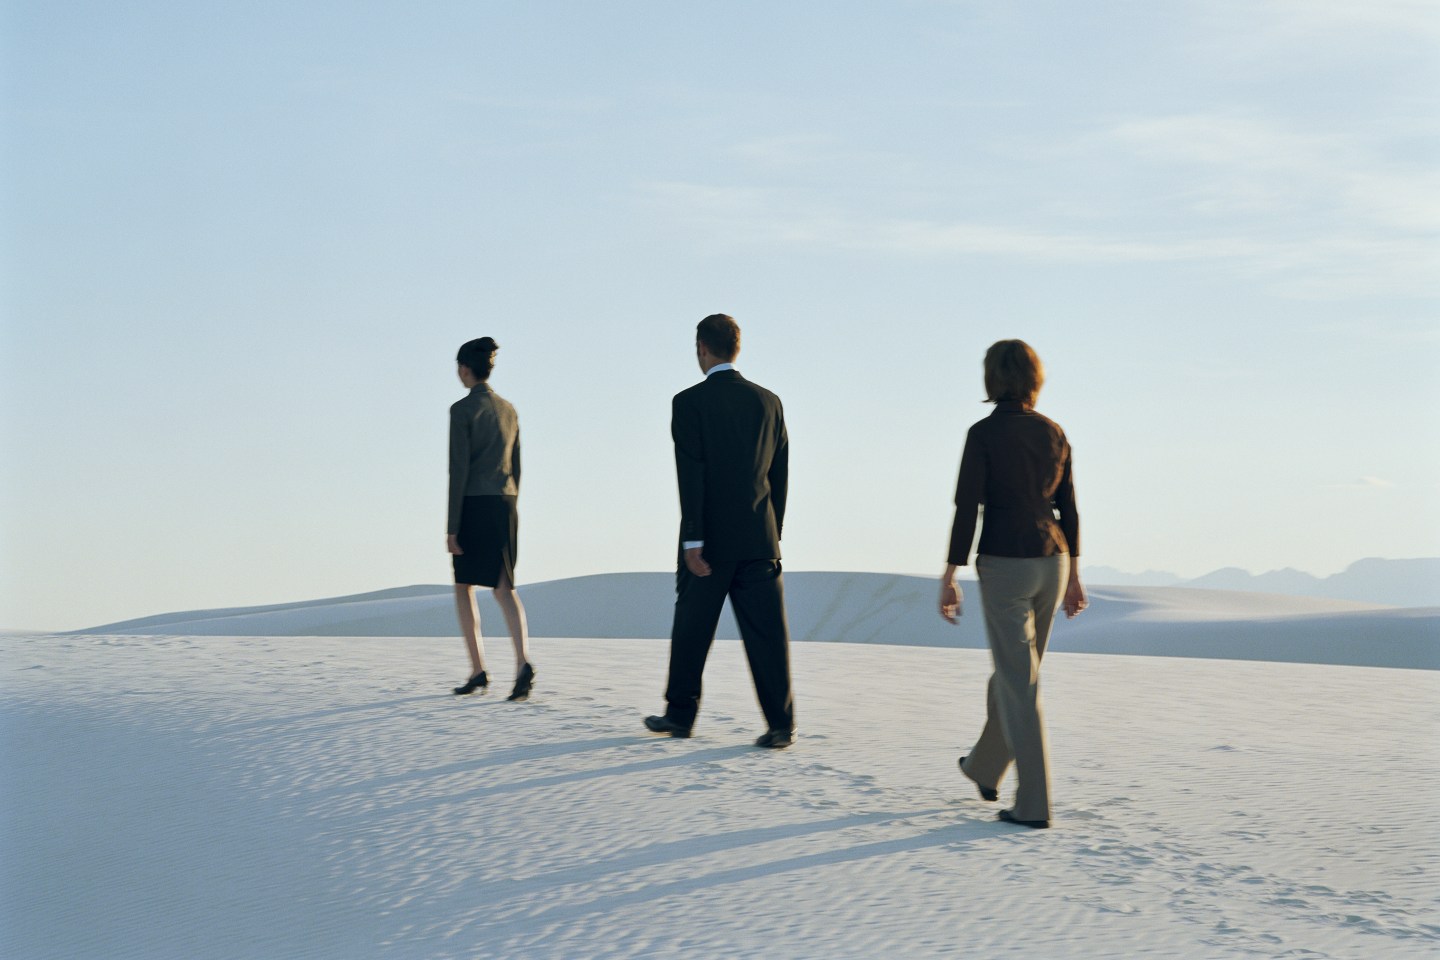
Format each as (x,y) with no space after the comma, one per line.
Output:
(1013,371)
(721,336)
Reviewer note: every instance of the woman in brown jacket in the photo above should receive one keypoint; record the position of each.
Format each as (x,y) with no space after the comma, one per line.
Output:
(1017,465)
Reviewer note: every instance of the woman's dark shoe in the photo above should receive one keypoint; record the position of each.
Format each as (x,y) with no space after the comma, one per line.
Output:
(523,683)
(478,682)
(1009,817)
(988,794)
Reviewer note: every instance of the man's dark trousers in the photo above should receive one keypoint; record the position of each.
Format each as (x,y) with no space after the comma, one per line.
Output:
(756,589)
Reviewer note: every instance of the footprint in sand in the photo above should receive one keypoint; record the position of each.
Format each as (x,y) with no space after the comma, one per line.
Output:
(1289,902)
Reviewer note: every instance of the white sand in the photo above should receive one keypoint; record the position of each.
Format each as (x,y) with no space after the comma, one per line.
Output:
(298,797)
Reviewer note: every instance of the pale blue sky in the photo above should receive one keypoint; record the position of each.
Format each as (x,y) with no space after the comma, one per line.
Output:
(242,242)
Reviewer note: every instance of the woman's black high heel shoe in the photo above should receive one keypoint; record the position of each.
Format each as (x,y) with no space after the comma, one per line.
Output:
(478,682)
(522,683)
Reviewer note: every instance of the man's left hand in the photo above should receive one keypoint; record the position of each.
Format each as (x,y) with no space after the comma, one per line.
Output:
(695,563)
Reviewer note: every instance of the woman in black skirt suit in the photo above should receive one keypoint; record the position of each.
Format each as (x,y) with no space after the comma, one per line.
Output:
(483,524)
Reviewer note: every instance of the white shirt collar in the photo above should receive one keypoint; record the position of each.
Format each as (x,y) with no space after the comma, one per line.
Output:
(718,367)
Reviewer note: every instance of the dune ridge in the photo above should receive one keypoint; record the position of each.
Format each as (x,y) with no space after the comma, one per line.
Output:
(836,607)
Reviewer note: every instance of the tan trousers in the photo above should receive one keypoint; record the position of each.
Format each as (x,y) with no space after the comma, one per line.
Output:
(1020,596)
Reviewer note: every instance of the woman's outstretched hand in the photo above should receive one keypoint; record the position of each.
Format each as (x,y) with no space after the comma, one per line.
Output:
(1075,600)
(950,598)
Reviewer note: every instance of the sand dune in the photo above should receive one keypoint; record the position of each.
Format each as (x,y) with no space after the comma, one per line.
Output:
(875,608)
(189,798)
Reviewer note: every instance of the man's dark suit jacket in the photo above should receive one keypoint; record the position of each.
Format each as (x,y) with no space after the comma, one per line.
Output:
(732,457)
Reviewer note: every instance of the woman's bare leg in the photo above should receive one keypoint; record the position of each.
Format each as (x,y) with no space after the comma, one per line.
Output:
(514,612)
(469,616)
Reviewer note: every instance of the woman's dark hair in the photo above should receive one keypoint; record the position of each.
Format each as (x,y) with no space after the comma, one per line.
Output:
(1013,372)
(479,356)
(721,336)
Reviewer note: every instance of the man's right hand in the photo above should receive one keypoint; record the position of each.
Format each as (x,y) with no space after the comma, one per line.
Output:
(695,563)
(452,543)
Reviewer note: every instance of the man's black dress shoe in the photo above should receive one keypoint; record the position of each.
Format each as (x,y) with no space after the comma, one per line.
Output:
(988,794)
(1009,817)
(477,682)
(776,739)
(666,725)
(522,684)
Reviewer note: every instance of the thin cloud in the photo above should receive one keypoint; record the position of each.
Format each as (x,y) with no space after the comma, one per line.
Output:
(1315,215)
(785,152)
(1404,17)
(1302,33)
(753,214)
(1321,265)
(1225,140)
(1238,165)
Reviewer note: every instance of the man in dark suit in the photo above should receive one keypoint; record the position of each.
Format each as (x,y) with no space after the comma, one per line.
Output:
(732,461)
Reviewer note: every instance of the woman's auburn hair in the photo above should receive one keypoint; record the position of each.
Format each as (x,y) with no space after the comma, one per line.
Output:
(1013,371)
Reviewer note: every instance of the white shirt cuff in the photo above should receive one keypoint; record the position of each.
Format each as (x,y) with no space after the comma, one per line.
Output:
(691,544)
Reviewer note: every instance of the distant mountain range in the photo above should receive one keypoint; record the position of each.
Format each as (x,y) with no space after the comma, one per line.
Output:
(1395,583)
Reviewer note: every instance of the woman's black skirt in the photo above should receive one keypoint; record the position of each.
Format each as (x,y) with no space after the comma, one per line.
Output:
(489,535)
